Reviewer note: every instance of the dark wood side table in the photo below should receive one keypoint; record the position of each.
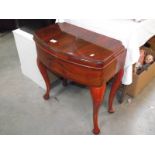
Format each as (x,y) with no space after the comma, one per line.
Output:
(82,56)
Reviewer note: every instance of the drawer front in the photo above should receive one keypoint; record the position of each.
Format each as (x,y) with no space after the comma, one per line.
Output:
(81,74)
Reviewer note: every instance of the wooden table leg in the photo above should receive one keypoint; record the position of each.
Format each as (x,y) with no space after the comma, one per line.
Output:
(114,89)
(43,71)
(97,94)
(123,93)
(64,81)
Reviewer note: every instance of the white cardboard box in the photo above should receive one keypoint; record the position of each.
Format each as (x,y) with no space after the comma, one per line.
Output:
(28,55)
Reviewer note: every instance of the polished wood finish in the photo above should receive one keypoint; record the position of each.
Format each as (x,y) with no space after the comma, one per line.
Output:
(82,56)
(97,94)
(114,88)
(44,73)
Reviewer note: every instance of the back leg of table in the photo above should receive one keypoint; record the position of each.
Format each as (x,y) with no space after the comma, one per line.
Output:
(97,94)
(123,93)
(114,89)
(64,81)
(44,73)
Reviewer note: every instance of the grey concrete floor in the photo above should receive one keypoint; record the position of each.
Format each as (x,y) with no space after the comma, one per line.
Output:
(69,110)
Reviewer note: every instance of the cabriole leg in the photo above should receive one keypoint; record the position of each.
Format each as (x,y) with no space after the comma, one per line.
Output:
(123,93)
(64,81)
(114,89)
(97,94)
(43,71)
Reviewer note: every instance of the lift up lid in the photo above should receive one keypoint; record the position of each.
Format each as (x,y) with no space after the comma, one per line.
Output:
(78,45)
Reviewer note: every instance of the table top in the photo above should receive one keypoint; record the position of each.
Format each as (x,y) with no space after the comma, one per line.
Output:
(80,44)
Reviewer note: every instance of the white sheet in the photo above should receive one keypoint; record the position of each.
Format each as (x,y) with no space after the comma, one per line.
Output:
(131,34)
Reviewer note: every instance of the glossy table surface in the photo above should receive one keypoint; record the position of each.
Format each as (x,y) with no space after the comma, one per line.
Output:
(78,44)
